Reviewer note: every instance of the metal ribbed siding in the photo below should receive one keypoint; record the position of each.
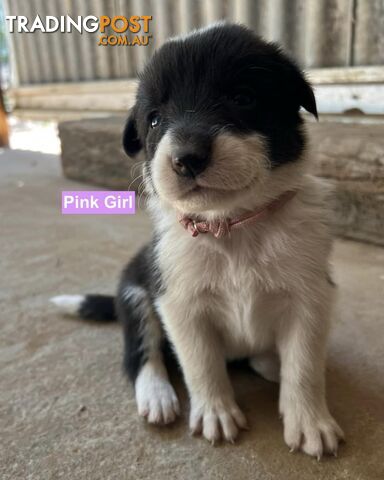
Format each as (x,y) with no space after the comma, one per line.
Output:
(319,33)
(369,33)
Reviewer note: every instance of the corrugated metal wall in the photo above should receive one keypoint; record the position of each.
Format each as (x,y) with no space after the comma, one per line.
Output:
(318,33)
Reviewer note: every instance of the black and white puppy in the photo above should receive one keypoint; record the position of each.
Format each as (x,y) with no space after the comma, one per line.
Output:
(238,264)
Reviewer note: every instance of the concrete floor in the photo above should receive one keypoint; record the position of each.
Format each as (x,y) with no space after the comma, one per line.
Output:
(67,412)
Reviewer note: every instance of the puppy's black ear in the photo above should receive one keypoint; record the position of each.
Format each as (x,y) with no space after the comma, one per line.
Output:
(307,97)
(297,89)
(131,141)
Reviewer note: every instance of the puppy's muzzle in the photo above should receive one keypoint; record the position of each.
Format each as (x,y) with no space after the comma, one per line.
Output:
(189,164)
(191,155)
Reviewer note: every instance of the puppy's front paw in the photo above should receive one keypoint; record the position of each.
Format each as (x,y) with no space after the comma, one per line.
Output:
(217,419)
(315,433)
(156,399)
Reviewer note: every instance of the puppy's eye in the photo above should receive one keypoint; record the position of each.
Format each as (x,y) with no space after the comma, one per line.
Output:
(154,119)
(242,97)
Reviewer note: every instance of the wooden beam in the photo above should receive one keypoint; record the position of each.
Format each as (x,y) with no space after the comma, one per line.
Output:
(76,88)
(338,90)
(348,75)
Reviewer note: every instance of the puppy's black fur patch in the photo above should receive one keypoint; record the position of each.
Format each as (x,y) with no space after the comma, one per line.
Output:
(141,273)
(98,307)
(224,77)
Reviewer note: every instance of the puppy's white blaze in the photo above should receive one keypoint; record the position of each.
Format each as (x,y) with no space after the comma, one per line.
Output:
(68,304)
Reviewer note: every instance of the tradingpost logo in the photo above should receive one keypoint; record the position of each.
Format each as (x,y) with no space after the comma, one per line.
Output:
(118,30)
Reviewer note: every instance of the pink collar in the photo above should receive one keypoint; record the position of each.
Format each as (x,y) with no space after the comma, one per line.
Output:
(220,228)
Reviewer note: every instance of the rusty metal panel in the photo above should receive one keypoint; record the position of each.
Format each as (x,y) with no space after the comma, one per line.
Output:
(70,56)
(369,33)
(241,11)
(318,33)
(83,51)
(163,21)
(55,42)
(26,46)
(293,30)
(45,71)
(123,57)
(315,32)
(141,54)
(187,15)
(100,54)
(212,11)
(266,18)
(328,33)
(20,62)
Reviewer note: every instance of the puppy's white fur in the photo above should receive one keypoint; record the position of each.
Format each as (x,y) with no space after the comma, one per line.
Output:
(262,289)
(68,304)
(238,165)
(155,397)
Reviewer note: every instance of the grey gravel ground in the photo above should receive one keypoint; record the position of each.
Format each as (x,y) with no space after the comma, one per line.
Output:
(67,412)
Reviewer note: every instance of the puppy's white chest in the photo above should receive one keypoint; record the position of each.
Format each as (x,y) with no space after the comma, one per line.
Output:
(235,286)
(248,318)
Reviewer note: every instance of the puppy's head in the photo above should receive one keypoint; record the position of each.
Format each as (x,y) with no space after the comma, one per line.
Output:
(217,115)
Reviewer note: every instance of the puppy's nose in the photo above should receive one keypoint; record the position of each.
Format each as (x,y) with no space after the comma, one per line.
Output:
(189,164)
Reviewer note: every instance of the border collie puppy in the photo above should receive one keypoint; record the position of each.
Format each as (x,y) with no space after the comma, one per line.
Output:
(238,264)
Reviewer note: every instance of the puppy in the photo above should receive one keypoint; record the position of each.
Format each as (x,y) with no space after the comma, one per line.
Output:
(238,264)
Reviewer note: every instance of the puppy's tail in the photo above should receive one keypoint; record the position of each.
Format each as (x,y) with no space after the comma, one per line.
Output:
(100,308)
